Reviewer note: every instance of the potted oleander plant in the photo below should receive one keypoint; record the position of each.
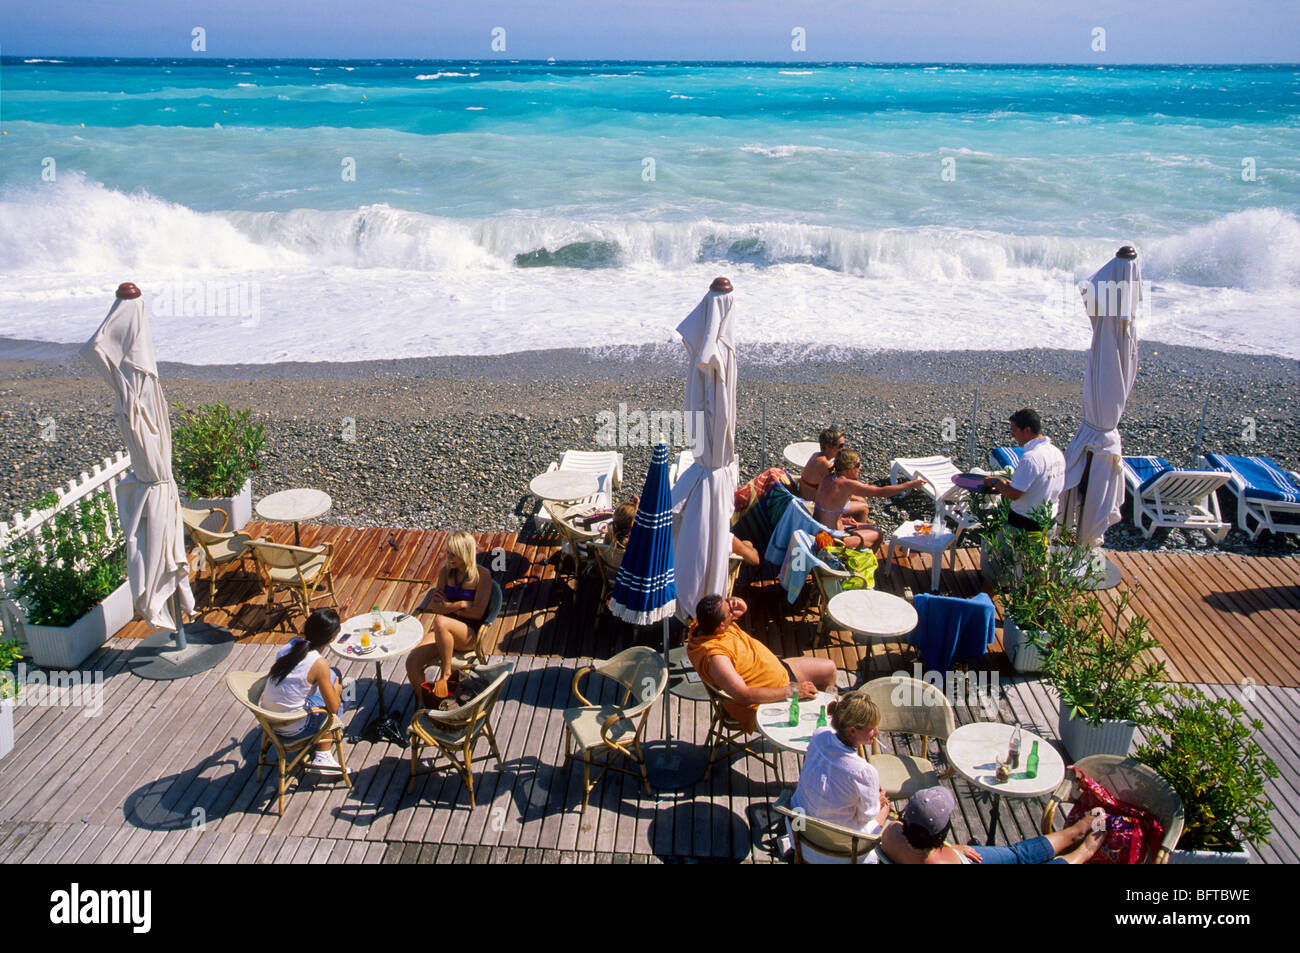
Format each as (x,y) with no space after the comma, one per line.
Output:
(1205,748)
(1101,669)
(1047,575)
(9,688)
(69,577)
(214,452)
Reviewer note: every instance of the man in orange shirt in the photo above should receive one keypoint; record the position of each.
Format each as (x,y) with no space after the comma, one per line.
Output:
(729,658)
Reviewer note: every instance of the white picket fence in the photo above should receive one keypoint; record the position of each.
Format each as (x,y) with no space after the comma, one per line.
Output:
(103,478)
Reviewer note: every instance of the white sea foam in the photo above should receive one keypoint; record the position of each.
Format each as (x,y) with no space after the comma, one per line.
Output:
(454,286)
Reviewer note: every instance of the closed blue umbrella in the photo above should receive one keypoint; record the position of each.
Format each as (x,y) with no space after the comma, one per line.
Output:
(644,592)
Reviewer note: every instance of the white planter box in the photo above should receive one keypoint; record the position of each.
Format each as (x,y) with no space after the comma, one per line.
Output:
(1233,858)
(1023,654)
(239,507)
(66,647)
(6,726)
(1082,739)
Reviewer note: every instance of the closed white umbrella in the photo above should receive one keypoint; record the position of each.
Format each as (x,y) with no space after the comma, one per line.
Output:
(704,496)
(148,504)
(1094,480)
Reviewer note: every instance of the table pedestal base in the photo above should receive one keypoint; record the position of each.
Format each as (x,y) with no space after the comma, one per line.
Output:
(383,727)
(993,820)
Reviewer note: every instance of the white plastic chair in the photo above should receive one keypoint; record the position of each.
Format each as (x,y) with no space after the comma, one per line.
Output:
(605,465)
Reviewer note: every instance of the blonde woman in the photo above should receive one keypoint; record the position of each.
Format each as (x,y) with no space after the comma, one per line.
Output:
(837,784)
(835,494)
(459,601)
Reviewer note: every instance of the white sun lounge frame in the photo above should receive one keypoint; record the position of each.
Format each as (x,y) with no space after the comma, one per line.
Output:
(1179,499)
(602,464)
(950,500)
(1262,511)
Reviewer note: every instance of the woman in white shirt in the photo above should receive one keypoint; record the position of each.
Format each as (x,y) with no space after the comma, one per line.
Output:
(301,680)
(837,784)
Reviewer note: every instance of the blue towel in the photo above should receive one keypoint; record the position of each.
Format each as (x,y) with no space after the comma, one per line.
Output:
(798,565)
(1264,479)
(950,630)
(1007,456)
(1146,470)
(796,517)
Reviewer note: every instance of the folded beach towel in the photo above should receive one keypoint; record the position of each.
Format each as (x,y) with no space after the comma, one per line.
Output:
(949,629)
(1265,480)
(796,517)
(760,520)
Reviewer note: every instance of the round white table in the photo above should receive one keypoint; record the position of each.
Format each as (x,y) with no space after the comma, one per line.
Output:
(774,722)
(976,750)
(294,506)
(797,454)
(909,536)
(564,486)
(871,614)
(407,634)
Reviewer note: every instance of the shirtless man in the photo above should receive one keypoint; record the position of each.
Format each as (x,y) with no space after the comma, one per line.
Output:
(835,494)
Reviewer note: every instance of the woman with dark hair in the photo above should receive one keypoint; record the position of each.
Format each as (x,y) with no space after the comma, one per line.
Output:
(301,680)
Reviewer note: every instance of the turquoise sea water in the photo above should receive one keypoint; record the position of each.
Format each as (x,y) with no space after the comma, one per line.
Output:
(495,206)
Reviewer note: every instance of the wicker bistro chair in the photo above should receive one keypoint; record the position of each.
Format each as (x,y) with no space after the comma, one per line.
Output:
(728,737)
(575,542)
(835,842)
(222,551)
(477,654)
(1131,782)
(600,734)
(909,706)
(455,732)
(300,570)
(291,753)
(608,558)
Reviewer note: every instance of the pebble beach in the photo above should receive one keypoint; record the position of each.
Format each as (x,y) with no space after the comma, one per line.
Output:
(452,442)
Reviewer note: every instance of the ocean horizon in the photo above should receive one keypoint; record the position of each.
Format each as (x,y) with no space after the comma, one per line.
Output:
(327,210)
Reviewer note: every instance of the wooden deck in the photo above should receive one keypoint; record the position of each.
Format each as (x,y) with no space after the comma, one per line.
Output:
(164,774)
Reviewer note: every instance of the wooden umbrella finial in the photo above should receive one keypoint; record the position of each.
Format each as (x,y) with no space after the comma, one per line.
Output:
(721,284)
(128,290)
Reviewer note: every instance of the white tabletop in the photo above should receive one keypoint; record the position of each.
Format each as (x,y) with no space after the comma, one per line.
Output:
(774,722)
(975,750)
(797,454)
(409,633)
(294,506)
(872,613)
(563,485)
(908,535)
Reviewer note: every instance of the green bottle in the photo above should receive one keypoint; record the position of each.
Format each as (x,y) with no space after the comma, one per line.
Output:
(1031,766)
(821,717)
(794,705)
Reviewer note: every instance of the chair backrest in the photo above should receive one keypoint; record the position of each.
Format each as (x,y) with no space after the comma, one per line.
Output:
(911,706)
(937,471)
(720,700)
(205,537)
(476,710)
(599,463)
(247,687)
(1138,785)
(1186,486)
(281,556)
(639,669)
(825,837)
(205,519)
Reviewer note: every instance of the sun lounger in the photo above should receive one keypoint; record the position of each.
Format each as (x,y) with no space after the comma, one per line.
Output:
(950,500)
(1004,458)
(1266,494)
(1166,496)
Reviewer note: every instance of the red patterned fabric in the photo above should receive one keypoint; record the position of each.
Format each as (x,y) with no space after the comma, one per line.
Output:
(755,489)
(1132,834)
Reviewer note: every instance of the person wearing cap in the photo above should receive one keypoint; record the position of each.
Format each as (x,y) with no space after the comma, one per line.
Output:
(920,838)
(1040,476)
(729,658)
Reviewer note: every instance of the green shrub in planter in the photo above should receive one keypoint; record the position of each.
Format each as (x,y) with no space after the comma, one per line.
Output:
(9,655)
(214,449)
(1208,755)
(69,564)
(1098,668)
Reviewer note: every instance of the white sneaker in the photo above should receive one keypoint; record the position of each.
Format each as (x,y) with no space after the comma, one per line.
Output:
(326,762)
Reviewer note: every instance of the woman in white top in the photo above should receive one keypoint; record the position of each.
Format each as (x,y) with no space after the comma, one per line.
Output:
(301,680)
(837,784)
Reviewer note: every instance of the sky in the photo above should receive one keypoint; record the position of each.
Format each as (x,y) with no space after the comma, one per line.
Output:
(984,31)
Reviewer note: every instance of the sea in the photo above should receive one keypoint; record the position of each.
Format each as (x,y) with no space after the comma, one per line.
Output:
(323,210)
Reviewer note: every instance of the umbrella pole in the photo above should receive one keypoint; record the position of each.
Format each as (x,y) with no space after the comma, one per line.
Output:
(974,413)
(1200,429)
(181,644)
(668,701)
(763,458)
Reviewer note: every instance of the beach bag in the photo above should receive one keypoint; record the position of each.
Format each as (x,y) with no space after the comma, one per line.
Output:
(861,563)
(1132,834)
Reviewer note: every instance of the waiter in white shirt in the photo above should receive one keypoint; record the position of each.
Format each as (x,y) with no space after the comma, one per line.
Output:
(1038,479)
